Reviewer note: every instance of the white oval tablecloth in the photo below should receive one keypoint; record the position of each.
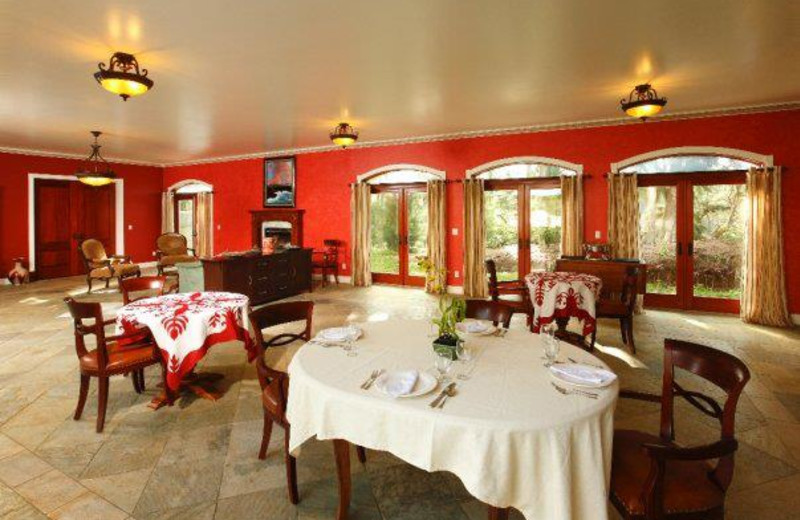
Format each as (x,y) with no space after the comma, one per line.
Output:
(512,439)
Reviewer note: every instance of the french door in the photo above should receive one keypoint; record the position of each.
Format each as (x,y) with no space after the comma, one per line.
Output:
(691,230)
(398,233)
(186,216)
(523,225)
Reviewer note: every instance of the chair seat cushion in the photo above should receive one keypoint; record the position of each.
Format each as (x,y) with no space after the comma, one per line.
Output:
(120,358)
(176,259)
(125,269)
(611,309)
(687,487)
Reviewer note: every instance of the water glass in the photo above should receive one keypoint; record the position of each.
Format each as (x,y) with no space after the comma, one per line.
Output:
(550,342)
(350,347)
(466,362)
(443,362)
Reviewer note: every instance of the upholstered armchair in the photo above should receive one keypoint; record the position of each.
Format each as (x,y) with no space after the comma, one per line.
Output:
(100,266)
(171,249)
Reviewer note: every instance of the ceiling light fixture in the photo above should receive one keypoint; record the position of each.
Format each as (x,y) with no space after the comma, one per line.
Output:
(643,102)
(122,76)
(344,135)
(95,171)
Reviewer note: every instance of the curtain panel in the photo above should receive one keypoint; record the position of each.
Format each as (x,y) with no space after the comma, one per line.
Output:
(204,246)
(623,215)
(764,292)
(436,281)
(572,215)
(474,240)
(359,218)
(167,212)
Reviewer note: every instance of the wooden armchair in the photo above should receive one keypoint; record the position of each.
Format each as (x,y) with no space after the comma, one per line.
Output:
(153,285)
(171,249)
(652,477)
(113,355)
(622,282)
(520,304)
(496,312)
(100,266)
(326,260)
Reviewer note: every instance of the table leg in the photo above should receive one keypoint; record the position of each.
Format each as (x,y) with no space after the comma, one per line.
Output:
(496,513)
(341,450)
(202,385)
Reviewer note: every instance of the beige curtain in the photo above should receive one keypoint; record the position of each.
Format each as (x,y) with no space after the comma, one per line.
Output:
(623,215)
(764,292)
(359,219)
(203,244)
(474,240)
(572,215)
(436,282)
(167,212)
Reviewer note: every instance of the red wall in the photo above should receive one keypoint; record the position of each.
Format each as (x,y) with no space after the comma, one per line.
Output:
(143,186)
(323,177)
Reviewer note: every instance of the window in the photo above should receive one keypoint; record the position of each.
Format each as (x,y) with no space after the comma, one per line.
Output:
(402,177)
(688,163)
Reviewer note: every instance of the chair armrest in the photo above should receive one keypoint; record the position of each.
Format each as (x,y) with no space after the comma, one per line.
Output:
(714,450)
(641,396)
(124,258)
(98,264)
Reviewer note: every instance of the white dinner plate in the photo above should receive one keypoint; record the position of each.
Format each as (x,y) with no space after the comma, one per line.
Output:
(607,376)
(426,383)
(340,333)
(476,327)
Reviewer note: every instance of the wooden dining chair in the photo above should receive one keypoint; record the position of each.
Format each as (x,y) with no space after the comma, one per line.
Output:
(654,478)
(496,312)
(153,285)
(520,301)
(112,355)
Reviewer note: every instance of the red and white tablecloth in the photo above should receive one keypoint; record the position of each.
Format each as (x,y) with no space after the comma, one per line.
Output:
(564,295)
(185,326)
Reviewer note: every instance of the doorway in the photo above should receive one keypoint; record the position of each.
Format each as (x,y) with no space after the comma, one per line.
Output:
(66,213)
(398,233)
(185,218)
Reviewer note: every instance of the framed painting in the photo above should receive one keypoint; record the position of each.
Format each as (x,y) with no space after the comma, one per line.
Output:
(279,182)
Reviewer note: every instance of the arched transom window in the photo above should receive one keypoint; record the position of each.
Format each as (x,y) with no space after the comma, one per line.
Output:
(688,164)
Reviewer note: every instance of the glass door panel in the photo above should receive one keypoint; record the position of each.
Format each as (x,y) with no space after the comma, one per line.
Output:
(185,223)
(501,211)
(417,214)
(545,228)
(718,240)
(385,232)
(658,237)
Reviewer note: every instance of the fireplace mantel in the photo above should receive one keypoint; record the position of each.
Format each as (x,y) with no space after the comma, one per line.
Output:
(290,215)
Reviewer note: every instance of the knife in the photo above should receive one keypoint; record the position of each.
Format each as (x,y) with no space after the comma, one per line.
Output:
(441,395)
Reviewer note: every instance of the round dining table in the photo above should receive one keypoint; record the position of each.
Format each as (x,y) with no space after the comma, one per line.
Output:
(508,433)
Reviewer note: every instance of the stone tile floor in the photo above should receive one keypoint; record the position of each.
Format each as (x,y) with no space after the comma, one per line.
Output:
(198,459)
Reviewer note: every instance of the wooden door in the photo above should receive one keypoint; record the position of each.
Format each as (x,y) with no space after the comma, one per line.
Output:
(67,213)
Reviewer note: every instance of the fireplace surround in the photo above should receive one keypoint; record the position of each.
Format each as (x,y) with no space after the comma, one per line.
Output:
(286,224)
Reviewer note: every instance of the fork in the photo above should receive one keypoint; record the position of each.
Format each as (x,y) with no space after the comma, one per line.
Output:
(565,391)
(368,383)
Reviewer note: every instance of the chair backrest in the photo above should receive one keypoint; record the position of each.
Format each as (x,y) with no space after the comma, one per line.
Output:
(93,311)
(491,274)
(150,284)
(93,251)
(493,311)
(720,368)
(622,280)
(172,244)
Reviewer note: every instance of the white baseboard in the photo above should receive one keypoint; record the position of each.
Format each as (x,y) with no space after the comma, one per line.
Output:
(342,279)
(455,289)
(796,319)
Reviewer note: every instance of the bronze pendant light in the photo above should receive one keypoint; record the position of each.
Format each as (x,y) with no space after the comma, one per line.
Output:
(344,135)
(95,171)
(643,102)
(123,77)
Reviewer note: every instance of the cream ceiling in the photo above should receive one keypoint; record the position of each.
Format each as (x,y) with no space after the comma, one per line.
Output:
(252,76)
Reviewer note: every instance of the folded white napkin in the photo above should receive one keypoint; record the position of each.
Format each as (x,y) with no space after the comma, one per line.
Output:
(583,373)
(399,382)
(474,326)
(348,333)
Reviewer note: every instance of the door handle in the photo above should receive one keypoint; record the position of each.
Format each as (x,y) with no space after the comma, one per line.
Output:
(680,249)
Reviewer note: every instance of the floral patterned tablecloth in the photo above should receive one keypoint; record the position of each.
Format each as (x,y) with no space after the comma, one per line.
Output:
(564,295)
(185,326)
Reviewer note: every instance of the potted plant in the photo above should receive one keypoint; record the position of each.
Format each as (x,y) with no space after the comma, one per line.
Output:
(451,311)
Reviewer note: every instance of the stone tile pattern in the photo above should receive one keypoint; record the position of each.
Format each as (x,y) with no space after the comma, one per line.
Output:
(198,459)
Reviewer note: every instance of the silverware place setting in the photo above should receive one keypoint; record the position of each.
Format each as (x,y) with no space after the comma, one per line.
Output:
(568,391)
(371,379)
(444,393)
(450,391)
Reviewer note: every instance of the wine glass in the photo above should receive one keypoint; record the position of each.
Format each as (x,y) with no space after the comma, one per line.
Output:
(442,362)
(551,345)
(350,347)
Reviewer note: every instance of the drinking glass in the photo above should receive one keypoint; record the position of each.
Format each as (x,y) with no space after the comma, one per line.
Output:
(466,362)
(350,347)
(551,346)
(443,362)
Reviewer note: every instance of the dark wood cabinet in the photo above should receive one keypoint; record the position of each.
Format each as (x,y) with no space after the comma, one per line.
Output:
(262,278)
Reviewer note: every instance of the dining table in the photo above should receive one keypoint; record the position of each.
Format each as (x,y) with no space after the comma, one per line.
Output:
(513,435)
(184,327)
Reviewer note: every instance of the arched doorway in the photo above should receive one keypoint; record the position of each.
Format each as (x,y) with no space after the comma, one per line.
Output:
(188,211)
(691,225)
(399,222)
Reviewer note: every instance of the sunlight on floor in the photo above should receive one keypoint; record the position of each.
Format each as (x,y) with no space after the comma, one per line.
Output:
(33,301)
(698,323)
(622,355)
